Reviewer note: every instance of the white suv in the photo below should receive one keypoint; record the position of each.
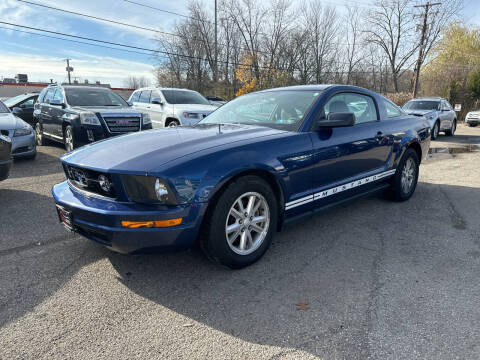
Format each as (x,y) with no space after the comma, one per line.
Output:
(171,107)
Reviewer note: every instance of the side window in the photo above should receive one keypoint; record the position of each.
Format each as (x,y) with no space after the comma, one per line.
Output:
(145,96)
(392,109)
(49,95)
(362,106)
(155,95)
(135,96)
(42,95)
(27,104)
(58,96)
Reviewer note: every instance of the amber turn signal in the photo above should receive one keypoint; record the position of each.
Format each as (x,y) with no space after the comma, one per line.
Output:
(152,224)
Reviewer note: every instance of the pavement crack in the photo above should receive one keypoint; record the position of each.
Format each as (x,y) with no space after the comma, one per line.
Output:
(457,219)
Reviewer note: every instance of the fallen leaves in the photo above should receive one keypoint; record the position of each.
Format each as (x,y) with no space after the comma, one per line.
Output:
(302,306)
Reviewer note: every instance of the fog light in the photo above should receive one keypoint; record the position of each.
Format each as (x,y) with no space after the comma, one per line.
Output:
(161,190)
(152,224)
(90,135)
(104,183)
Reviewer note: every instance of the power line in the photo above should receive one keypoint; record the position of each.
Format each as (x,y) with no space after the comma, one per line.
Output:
(73,41)
(127,24)
(133,47)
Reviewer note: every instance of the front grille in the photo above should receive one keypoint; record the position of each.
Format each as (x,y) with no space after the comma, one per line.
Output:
(21,149)
(118,123)
(89,180)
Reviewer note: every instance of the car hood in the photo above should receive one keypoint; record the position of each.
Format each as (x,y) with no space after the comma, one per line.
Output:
(139,153)
(195,107)
(419,112)
(106,109)
(8,121)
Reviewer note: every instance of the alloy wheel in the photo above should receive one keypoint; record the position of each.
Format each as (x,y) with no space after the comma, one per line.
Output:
(38,134)
(435,130)
(68,139)
(247,223)
(408,175)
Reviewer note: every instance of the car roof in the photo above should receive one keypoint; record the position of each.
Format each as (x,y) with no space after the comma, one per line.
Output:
(163,88)
(427,98)
(83,87)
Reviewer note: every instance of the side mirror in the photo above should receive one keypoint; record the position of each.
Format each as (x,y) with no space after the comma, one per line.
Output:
(17,111)
(56,102)
(336,120)
(130,103)
(157,101)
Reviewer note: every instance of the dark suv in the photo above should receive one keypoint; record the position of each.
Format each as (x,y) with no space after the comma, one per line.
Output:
(78,115)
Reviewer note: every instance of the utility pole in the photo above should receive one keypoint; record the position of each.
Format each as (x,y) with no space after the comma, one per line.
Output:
(69,70)
(426,7)
(215,77)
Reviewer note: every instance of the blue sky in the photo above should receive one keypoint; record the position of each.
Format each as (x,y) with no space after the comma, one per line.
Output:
(42,58)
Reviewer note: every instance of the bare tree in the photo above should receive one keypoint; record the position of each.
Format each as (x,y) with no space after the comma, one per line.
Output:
(323,29)
(354,53)
(390,27)
(136,82)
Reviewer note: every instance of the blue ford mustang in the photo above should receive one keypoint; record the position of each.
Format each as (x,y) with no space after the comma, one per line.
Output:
(231,181)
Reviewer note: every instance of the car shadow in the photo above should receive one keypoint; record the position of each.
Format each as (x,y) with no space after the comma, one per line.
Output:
(328,262)
(45,163)
(315,290)
(457,139)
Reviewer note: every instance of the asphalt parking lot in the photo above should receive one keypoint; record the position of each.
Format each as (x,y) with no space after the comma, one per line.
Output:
(370,280)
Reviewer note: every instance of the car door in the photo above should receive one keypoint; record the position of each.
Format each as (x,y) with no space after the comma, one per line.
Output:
(156,110)
(45,112)
(344,155)
(56,113)
(27,109)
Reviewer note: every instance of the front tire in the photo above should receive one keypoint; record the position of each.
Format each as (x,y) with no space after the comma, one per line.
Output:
(39,139)
(239,229)
(451,132)
(173,123)
(68,138)
(435,130)
(406,177)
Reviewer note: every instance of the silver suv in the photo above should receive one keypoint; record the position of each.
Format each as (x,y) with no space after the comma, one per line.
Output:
(437,111)
(171,107)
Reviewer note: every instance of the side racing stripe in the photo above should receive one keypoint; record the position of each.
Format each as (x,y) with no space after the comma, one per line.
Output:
(338,189)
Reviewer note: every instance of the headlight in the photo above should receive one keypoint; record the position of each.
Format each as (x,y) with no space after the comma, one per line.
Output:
(23,131)
(429,117)
(148,190)
(187,115)
(146,119)
(88,118)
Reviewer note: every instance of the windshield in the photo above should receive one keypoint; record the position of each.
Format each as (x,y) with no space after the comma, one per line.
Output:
(283,110)
(14,100)
(3,108)
(422,105)
(93,97)
(184,97)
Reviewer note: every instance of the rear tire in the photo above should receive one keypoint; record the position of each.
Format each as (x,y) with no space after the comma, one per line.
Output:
(405,179)
(230,237)
(471,124)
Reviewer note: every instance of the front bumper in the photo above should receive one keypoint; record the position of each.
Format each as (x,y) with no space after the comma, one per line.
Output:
(472,121)
(99,219)
(23,146)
